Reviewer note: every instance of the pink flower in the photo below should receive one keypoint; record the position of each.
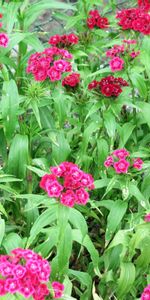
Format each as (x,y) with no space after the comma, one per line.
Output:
(71,80)
(26,290)
(116,64)
(41,292)
(32,266)
(2,287)
(68,198)
(55,39)
(72,38)
(58,289)
(91,22)
(53,74)
(11,285)
(60,65)
(4,40)
(121,153)
(134,54)
(58,171)
(147,218)
(108,162)
(87,181)
(76,174)
(40,74)
(19,271)
(130,42)
(6,269)
(146,293)
(47,178)
(121,166)
(43,275)
(138,162)
(66,54)
(93,85)
(82,196)
(54,189)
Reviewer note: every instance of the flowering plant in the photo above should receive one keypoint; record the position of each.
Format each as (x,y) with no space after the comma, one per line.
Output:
(74,150)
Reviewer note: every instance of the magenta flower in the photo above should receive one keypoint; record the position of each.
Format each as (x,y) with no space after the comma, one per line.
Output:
(146,293)
(108,162)
(68,183)
(19,271)
(60,65)
(138,163)
(121,166)
(82,196)
(2,287)
(11,285)
(40,74)
(68,198)
(134,54)
(116,64)
(147,218)
(4,40)
(58,289)
(28,276)
(121,153)
(54,189)
(53,74)
(47,178)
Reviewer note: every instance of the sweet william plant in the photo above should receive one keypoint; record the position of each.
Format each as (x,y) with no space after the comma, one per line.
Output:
(74,151)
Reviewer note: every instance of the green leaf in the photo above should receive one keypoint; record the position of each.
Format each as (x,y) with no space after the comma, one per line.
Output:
(2,230)
(139,82)
(9,107)
(61,148)
(45,219)
(3,211)
(18,156)
(110,123)
(126,280)
(145,111)
(115,216)
(102,149)
(125,132)
(12,241)
(39,7)
(78,221)
(51,241)
(11,15)
(34,42)
(101,183)
(134,191)
(64,249)
(83,277)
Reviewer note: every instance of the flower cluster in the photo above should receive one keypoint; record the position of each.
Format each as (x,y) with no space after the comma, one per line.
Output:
(146,293)
(118,161)
(63,40)
(117,63)
(95,20)
(134,18)
(68,183)
(144,4)
(109,86)
(51,63)
(4,40)
(71,80)
(27,273)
